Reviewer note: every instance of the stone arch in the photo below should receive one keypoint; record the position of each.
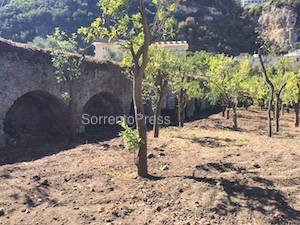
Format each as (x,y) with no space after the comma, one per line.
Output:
(36,117)
(100,111)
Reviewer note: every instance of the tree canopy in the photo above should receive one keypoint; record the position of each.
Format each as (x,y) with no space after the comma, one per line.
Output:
(23,20)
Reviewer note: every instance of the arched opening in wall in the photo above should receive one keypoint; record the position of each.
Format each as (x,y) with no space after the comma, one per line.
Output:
(100,116)
(34,118)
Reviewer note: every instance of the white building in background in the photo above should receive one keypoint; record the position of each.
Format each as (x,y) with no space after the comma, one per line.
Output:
(103,46)
(248,2)
(174,46)
(294,56)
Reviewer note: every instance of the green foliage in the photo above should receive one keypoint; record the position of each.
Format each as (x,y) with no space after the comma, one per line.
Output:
(129,20)
(130,136)
(65,64)
(186,77)
(285,74)
(116,55)
(210,31)
(253,9)
(281,3)
(291,94)
(159,70)
(23,20)
(226,79)
(257,88)
(280,73)
(122,20)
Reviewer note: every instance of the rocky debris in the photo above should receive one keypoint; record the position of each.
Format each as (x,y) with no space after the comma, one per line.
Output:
(2,212)
(36,178)
(27,211)
(165,167)
(151,156)
(105,146)
(158,209)
(45,183)
(256,166)
(220,185)
(121,146)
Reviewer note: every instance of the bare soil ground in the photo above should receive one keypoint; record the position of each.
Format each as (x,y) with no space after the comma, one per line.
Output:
(214,176)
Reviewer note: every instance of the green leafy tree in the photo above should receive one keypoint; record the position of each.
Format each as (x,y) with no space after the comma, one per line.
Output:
(23,20)
(279,75)
(128,20)
(225,80)
(67,69)
(132,139)
(157,75)
(276,77)
(257,89)
(185,83)
(291,94)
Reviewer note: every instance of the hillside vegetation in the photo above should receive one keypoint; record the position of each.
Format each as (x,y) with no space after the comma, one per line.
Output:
(212,25)
(24,20)
(217,26)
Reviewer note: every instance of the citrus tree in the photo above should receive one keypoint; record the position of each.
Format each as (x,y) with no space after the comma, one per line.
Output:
(184,83)
(279,76)
(139,26)
(157,76)
(257,89)
(67,69)
(291,94)
(225,80)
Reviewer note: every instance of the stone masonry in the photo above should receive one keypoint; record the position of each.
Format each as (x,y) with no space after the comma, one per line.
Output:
(25,69)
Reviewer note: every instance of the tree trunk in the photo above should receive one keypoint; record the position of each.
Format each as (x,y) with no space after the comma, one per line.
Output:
(297,107)
(269,114)
(277,112)
(273,110)
(282,109)
(223,111)
(72,122)
(260,52)
(141,125)
(235,126)
(287,108)
(158,109)
(181,109)
(227,113)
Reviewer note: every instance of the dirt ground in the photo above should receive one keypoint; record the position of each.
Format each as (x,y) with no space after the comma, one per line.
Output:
(212,175)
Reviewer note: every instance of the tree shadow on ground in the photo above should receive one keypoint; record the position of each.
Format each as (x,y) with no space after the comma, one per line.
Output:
(36,193)
(251,117)
(262,196)
(213,142)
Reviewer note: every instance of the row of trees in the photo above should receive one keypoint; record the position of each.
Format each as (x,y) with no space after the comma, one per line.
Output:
(227,80)
(224,81)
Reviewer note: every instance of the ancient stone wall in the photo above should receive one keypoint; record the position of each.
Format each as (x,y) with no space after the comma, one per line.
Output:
(25,69)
